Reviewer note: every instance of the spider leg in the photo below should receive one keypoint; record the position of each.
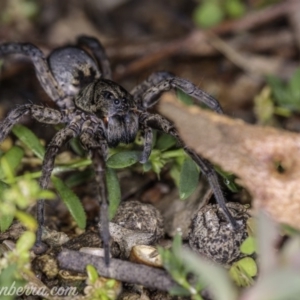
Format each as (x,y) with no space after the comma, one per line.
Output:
(99,53)
(148,92)
(42,70)
(148,140)
(40,113)
(60,138)
(154,79)
(158,122)
(96,149)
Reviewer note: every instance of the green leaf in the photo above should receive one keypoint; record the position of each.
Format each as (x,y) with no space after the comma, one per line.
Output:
(25,242)
(123,159)
(5,222)
(208,13)
(177,244)
(71,201)
(78,177)
(27,220)
(10,159)
(248,246)
(242,271)
(113,190)
(3,186)
(286,96)
(183,97)
(76,146)
(278,89)
(92,273)
(264,106)
(175,173)
(147,166)
(248,265)
(164,142)
(189,178)
(234,8)
(29,139)
(228,179)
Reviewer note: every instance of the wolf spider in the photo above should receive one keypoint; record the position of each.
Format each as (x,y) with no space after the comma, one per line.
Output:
(101,114)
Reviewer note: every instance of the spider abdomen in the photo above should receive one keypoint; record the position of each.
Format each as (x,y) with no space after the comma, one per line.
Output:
(73,69)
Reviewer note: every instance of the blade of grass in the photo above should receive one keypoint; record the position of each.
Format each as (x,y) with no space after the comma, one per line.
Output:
(11,159)
(71,201)
(29,139)
(113,190)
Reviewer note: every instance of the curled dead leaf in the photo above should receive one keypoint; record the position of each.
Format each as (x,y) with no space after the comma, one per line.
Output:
(254,153)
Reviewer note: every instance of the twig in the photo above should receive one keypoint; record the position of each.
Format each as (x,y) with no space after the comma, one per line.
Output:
(257,18)
(256,65)
(198,38)
(118,269)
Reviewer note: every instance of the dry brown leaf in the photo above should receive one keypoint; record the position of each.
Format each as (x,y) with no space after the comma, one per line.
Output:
(251,152)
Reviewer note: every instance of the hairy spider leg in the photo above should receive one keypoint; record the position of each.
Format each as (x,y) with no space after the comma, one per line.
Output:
(96,150)
(42,70)
(39,113)
(149,91)
(60,138)
(160,123)
(98,52)
(148,140)
(48,116)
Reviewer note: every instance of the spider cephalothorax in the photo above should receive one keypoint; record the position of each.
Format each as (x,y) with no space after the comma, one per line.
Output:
(115,106)
(101,114)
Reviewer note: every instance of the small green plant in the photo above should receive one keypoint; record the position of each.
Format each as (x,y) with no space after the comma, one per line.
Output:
(100,287)
(243,271)
(191,283)
(279,98)
(286,95)
(15,266)
(211,12)
(18,192)
(174,264)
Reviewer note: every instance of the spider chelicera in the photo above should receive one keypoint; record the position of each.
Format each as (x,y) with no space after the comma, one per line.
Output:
(101,114)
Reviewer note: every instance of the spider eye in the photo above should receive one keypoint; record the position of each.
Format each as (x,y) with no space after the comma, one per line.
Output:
(108,95)
(117,101)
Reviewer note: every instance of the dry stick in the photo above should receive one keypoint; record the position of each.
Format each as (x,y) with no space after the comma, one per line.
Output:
(257,18)
(118,269)
(197,37)
(256,65)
